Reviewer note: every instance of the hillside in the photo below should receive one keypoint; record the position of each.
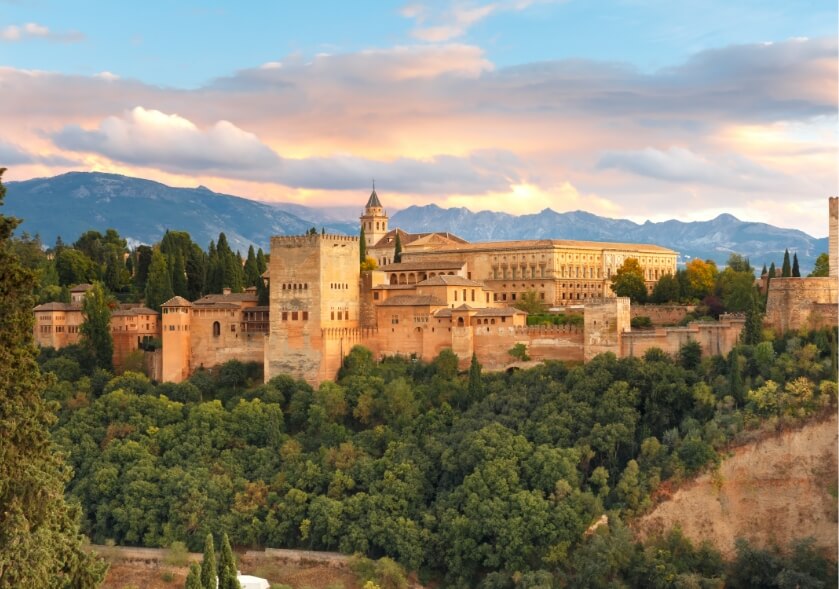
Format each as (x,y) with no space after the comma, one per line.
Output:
(142,210)
(770,492)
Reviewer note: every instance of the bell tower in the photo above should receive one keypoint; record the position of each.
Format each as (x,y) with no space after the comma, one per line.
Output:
(374,219)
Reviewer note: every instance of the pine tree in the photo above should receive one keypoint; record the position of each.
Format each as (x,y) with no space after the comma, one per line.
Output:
(362,246)
(96,328)
(786,270)
(735,376)
(796,271)
(40,542)
(763,272)
(227,566)
(209,576)
(193,579)
(397,249)
(158,288)
(476,385)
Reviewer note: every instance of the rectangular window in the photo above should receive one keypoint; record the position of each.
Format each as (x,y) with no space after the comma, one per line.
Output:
(294,315)
(285,315)
(171,328)
(305,315)
(375,296)
(332,315)
(232,327)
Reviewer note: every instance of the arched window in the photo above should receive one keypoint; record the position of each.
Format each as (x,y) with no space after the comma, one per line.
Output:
(460,321)
(216,329)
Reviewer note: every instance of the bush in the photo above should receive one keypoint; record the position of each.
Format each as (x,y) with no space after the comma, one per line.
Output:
(641,322)
(177,554)
(519,352)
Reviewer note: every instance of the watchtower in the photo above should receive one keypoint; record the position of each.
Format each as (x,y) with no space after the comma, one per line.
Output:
(374,219)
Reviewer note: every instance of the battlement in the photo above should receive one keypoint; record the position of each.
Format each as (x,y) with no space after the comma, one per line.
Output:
(306,240)
(355,333)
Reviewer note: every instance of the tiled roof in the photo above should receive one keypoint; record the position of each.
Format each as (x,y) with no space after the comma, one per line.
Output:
(545,243)
(134,311)
(373,201)
(389,238)
(485,312)
(83,287)
(449,280)
(413,301)
(233,297)
(177,302)
(431,265)
(56,306)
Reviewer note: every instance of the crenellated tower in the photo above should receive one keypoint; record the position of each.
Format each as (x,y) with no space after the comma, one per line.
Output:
(374,219)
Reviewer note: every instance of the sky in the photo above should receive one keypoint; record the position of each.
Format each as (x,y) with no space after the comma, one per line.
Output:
(639,109)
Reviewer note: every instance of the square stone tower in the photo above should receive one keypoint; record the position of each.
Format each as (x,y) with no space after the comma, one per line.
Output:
(313,292)
(833,237)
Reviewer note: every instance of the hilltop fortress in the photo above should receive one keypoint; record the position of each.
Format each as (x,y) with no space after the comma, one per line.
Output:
(439,292)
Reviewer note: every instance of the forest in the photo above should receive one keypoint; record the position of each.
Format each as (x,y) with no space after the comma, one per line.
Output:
(471,479)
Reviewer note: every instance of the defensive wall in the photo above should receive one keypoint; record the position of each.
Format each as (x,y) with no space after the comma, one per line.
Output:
(662,315)
(795,303)
(715,338)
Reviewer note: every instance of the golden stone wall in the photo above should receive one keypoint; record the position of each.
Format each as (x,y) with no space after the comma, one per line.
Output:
(790,301)
(715,338)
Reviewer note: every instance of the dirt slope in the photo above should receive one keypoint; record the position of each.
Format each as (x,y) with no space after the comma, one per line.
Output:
(771,491)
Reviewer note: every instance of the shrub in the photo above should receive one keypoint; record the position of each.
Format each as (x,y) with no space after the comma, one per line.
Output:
(177,554)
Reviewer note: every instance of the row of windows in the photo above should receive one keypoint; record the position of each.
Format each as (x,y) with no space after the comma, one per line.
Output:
(183,327)
(295,286)
(167,310)
(515,273)
(294,315)
(339,285)
(339,315)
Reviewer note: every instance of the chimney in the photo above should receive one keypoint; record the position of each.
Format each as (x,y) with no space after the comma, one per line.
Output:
(225,291)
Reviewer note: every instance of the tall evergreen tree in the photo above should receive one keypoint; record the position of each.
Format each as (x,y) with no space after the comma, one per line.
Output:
(96,328)
(40,542)
(209,576)
(196,272)
(796,271)
(179,281)
(752,330)
(476,384)
(763,272)
(362,246)
(143,254)
(786,269)
(159,285)
(261,261)
(227,566)
(397,249)
(193,579)
(251,269)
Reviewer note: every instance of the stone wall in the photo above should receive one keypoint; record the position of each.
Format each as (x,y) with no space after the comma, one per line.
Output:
(662,315)
(605,323)
(791,301)
(554,342)
(717,338)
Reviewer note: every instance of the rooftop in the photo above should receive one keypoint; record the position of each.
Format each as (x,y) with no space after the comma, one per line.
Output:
(373,201)
(177,302)
(83,287)
(57,306)
(430,265)
(449,280)
(413,301)
(484,312)
(546,243)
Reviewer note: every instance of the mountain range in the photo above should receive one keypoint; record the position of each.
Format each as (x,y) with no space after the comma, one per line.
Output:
(141,210)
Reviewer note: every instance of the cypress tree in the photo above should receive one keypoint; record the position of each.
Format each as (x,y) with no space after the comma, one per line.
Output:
(786,270)
(40,542)
(362,246)
(141,276)
(158,288)
(796,271)
(261,261)
(476,385)
(397,249)
(735,376)
(251,269)
(227,566)
(752,330)
(96,328)
(763,272)
(208,565)
(193,579)
(179,281)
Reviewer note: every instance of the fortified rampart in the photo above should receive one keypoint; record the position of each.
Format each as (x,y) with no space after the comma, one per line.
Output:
(662,315)
(794,303)
(544,342)
(716,338)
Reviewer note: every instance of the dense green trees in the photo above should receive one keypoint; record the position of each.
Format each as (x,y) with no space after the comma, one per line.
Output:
(470,478)
(822,267)
(159,283)
(96,328)
(40,543)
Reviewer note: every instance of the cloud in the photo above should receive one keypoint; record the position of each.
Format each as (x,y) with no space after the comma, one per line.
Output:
(436,25)
(681,165)
(15,33)
(11,154)
(150,138)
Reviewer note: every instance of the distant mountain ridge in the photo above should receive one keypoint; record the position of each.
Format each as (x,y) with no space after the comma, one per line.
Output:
(141,210)
(714,239)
